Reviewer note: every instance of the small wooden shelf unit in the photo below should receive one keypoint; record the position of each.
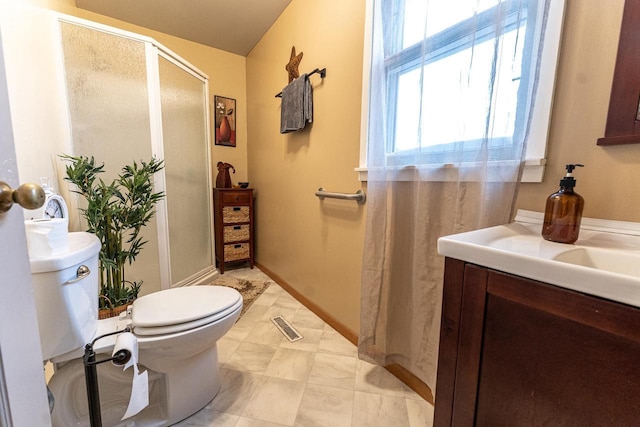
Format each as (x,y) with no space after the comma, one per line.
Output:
(233,224)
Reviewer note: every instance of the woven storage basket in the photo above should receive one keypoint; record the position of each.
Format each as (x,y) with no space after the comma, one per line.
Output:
(236,252)
(231,214)
(111,312)
(235,233)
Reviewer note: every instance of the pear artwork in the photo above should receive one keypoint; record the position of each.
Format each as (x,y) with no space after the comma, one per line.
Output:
(225,127)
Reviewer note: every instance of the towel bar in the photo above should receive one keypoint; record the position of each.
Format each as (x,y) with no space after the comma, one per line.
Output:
(359,196)
(323,74)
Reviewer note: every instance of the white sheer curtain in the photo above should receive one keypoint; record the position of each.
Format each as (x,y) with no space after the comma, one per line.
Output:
(451,94)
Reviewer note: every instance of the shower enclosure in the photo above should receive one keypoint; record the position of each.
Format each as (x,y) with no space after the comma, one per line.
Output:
(82,88)
(129,98)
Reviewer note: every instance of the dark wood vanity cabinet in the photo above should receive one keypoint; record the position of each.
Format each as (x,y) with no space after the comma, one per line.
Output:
(517,352)
(233,225)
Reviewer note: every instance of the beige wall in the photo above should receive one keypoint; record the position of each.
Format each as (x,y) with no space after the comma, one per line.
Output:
(609,180)
(314,246)
(317,247)
(226,73)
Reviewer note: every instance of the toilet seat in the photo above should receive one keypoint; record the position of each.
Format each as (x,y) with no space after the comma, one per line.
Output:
(180,309)
(182,366)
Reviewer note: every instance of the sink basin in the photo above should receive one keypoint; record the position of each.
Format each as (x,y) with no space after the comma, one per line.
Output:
(614,261)
(604,262)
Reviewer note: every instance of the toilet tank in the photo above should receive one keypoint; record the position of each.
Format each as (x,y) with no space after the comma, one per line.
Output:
(67,296)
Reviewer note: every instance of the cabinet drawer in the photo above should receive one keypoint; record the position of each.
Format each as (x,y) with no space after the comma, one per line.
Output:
(235,233)
(236,198)
(236,251)
(232,214)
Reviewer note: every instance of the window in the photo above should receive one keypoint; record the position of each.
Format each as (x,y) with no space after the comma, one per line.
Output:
(455,81)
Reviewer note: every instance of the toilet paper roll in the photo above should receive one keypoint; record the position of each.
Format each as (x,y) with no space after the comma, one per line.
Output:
(126,341)
(140,386)
(47,237)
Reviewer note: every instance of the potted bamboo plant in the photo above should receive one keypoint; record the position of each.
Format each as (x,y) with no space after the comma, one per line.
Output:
(116,213)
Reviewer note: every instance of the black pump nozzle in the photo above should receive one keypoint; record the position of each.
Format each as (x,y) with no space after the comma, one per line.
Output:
(571,167)
(569,181)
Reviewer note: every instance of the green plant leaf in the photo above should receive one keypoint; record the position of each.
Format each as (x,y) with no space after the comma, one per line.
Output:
(116,212)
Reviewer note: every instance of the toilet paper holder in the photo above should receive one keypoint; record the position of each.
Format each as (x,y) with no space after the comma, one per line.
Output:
(91,375)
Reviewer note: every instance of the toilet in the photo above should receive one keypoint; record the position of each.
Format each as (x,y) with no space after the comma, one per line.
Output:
(176,329)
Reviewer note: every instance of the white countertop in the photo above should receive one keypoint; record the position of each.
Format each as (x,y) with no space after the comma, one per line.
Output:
(604,262)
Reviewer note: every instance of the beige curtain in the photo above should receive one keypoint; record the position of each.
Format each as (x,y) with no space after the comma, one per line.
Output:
(456,169)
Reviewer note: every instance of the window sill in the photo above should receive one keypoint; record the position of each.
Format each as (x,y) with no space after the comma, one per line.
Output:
(533,172)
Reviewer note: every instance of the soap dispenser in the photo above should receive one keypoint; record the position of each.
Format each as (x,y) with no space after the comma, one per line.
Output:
(563,212)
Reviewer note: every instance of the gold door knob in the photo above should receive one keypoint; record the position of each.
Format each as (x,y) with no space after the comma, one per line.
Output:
(29,196)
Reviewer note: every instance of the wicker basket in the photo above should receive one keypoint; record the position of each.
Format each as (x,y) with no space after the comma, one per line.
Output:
(231,214)
(236,252)
(236,233)
(106,313)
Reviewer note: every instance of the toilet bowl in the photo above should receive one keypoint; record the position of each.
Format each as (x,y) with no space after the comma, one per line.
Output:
(176,329)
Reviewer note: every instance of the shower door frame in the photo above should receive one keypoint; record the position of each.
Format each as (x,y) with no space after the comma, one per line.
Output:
(153,51)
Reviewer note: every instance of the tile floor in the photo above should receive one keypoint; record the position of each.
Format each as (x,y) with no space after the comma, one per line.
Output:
(317,381)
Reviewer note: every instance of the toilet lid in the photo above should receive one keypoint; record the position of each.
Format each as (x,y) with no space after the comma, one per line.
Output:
(182,305)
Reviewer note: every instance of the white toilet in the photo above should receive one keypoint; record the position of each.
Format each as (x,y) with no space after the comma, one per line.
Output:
(176,329)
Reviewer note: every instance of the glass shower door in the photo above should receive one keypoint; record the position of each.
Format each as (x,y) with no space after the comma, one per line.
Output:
(183,98)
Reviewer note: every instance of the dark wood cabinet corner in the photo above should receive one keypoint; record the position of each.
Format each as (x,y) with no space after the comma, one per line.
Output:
(623,119)
(518,352)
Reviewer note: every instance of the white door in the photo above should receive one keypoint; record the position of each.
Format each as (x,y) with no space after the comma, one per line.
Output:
(23,397)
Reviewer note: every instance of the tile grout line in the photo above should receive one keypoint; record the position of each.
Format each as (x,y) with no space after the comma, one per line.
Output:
(328,350)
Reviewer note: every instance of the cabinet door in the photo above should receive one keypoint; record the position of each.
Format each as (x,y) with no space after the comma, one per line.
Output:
(516,352)
(551,356)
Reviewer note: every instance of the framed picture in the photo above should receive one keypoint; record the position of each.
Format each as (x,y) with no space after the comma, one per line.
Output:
(225,120)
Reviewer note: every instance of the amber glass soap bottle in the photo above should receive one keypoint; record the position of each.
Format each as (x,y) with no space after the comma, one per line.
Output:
(563,212)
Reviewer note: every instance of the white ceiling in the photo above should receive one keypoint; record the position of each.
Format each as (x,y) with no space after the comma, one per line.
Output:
(232,25)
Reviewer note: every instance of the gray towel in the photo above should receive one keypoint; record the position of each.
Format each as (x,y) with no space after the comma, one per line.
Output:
(297,105)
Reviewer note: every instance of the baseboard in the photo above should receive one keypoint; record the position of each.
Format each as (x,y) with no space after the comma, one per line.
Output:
(317,310)
(398,371)
(413,382)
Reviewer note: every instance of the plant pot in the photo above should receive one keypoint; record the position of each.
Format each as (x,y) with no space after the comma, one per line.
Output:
(106,313)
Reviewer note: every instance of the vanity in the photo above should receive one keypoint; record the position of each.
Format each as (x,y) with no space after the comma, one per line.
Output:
(540,333)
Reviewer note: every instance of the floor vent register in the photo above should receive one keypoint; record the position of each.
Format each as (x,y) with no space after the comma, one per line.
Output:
(286,329)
